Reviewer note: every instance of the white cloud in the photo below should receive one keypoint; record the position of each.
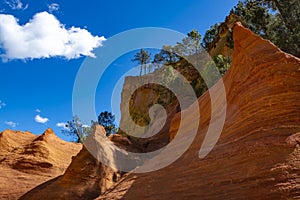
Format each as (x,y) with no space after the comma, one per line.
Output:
(62,125)
(44,37)
(16,4)
(38,110)
(53,7)
(11,123)
(40,119)
(2,104)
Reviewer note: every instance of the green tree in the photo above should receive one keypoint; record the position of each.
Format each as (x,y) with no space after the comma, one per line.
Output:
(77,130)
(209,36)
(222,63)
(219,62)
(169,54)
(189,45)
(142,57)
(277,21)
(158,60)
(256,16)
(107,120)
(166,56)
(287,23)
(289,11)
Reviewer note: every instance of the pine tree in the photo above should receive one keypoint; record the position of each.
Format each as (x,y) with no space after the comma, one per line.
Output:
(142,58)
(107,120)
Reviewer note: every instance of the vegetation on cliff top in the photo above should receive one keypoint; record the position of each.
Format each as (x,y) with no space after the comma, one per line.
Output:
(277,21)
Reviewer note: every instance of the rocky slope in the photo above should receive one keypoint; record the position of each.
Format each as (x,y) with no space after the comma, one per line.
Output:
(85,178)
(258,153)
(256,157)
(28,160)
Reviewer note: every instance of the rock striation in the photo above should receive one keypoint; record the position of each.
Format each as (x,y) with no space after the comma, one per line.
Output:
(28,160)
(258,153)
(256,157)
(85,178)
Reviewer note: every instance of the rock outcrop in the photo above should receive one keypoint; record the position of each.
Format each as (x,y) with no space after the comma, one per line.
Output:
(85,178)
(28,160)
(258,153)
(142,92)
(221,44)
(139,104)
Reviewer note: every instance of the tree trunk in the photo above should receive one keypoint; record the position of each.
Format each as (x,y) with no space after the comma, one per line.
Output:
(285,15)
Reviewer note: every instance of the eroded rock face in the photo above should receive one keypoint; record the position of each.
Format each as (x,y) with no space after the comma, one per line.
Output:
(221,45)
(140,100)
(256,157)
(140,94)
(85,178)
(28,160)
(258,153)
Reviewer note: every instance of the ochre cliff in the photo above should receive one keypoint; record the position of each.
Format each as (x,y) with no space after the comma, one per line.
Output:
(140,102)
(143,92)
(28,160)
(85,178)
(258,153)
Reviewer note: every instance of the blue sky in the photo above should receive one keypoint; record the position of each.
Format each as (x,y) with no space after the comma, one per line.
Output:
(37,93)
